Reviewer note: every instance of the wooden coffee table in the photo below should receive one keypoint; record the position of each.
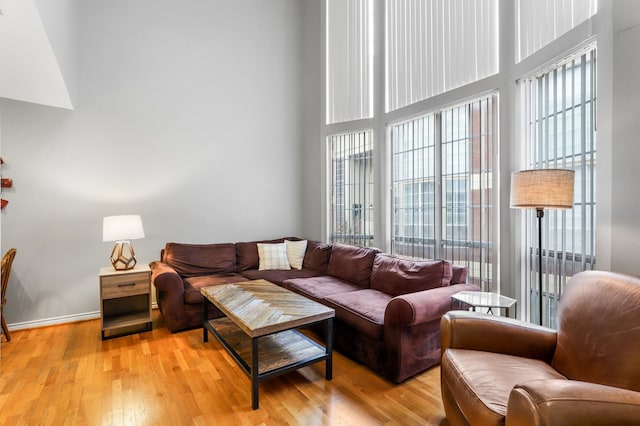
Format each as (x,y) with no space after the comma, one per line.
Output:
(259,329)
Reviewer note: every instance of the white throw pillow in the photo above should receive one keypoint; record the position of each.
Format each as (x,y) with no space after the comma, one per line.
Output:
(273,256)
(295,252)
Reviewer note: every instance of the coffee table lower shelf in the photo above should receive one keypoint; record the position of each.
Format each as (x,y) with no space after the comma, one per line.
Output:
(278,353)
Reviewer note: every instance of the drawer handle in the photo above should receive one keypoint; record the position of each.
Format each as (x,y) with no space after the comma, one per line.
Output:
(126,285)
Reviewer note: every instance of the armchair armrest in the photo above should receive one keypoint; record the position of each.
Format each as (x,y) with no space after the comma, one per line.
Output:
(569,402)
(484,332)
(422,306)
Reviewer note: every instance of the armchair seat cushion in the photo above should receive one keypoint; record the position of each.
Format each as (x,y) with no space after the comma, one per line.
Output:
(362,309)
(482,381)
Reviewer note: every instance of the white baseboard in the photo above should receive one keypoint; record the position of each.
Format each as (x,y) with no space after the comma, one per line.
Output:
(59,320)
(53,321)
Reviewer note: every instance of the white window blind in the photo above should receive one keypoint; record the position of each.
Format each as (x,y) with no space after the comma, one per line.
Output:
(539,22)
(349,53)
(559,119)
(433,46)
(442,180)
(351,188)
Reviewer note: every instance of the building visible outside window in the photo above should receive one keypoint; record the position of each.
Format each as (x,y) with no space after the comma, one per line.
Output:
(351,188)
(452,150)
(558,117)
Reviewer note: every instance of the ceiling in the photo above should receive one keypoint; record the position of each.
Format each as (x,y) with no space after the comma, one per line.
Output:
(29,70)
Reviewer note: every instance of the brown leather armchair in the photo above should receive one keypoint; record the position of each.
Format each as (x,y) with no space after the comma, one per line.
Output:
(498,371)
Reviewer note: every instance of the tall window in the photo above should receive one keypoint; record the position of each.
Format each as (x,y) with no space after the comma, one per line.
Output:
(351,188)
(433,46)
(538,23)
(349,60)
(442,172)
(559,107)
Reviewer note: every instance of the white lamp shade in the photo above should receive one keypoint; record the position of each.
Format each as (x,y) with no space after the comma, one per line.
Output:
(122,227)
(542,188)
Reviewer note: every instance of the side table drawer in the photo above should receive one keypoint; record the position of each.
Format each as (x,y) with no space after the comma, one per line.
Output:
(125,285)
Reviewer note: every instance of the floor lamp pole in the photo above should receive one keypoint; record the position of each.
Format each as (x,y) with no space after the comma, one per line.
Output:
(540,215)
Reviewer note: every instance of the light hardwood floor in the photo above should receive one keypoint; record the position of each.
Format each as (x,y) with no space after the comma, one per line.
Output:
(66,375)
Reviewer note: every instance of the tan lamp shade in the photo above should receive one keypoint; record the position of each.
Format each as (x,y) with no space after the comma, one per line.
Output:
(542,188)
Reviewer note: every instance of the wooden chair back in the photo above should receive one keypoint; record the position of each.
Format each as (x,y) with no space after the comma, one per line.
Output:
(7,261)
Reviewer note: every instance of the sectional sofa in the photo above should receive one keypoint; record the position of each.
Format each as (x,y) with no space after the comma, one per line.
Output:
(388,309)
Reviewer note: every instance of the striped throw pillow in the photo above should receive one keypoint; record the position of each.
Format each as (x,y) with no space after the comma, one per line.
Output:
(273,256)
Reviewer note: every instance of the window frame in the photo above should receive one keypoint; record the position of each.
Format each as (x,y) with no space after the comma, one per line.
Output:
(442,243)
(546,124)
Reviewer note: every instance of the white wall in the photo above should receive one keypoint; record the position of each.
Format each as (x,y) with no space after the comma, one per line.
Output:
(313,160)
(29,68)
(59,20)
(188,113)
(625,138)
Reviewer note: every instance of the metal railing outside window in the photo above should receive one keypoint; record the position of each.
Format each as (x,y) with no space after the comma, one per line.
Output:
(559,119)
(442,184)
(351,188)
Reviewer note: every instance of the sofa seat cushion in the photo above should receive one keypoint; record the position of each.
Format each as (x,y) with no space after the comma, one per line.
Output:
(351,263)
(363,310)
(191,260)
(482,381)
(396,276)
(278,276)
(192,285)
(317,288)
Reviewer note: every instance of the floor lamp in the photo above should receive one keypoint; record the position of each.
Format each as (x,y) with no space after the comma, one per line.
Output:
(542,189)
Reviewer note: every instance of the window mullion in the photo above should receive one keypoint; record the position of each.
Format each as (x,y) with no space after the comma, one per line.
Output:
(438,186)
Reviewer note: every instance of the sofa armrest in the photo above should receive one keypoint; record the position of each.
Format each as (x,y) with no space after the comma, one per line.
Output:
(422,306)
(170,294)
(165,278)
(568,402)
(484,332)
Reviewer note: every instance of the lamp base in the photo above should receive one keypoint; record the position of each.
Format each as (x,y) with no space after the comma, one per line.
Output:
(122,256)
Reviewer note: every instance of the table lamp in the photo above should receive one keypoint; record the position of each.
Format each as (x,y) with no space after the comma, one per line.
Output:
(539,189)
(122,229)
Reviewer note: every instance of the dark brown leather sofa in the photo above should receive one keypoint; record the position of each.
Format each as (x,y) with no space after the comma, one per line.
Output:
(498,371)
(388,309)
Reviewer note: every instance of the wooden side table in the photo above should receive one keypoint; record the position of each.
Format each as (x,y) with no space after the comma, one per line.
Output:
(125,300)
(483,299)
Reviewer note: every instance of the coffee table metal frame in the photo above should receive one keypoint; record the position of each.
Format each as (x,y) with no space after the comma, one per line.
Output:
(275,339)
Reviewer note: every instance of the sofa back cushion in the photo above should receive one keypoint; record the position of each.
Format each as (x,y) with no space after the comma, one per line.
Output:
(351,263)
(190,260)
(459,274)
(395,276)
(316,258)
(247,253)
